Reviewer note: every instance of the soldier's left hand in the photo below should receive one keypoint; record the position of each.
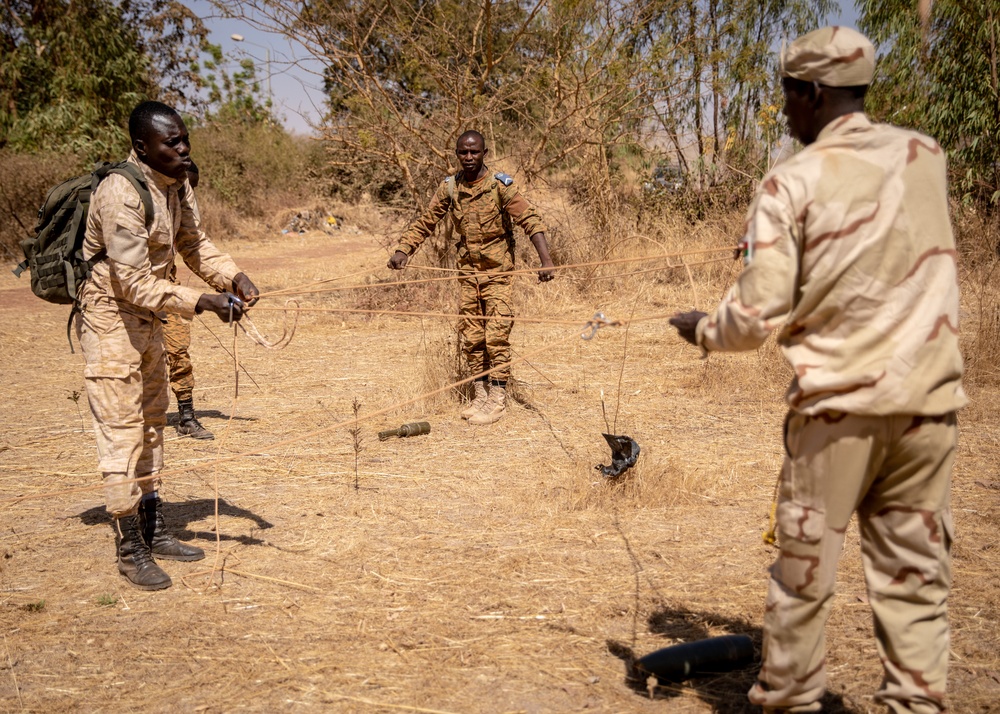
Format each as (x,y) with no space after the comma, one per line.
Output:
(687,324)
(546,273)
(245,289)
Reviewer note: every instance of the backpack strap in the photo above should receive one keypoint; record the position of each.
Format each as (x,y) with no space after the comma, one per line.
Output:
(69,326)
(135,176)
(501,178)
(76,275)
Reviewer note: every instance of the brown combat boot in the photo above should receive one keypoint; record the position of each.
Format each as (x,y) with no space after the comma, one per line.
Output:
(187,422)
(493,409)
(135,561)
(478,401)
(154,532)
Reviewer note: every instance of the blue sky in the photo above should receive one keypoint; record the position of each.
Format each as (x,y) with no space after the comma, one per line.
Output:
(295,75)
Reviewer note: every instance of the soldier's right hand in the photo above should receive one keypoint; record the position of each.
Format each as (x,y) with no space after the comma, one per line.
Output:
(398,260)
(220,304)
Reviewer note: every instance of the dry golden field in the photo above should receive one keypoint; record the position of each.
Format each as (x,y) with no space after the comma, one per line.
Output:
(486,569)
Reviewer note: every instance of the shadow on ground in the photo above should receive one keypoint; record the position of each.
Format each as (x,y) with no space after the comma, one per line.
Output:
(179,515)
(725,693)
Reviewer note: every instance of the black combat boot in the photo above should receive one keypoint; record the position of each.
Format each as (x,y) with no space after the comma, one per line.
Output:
(154,532)
(135,561)
(187,422)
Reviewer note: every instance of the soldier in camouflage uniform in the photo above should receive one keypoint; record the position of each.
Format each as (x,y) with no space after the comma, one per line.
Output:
(120,330)
(177,338)
(483,207)
(849,247)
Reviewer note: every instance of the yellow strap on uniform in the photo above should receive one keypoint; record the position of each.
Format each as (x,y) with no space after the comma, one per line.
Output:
(770,535)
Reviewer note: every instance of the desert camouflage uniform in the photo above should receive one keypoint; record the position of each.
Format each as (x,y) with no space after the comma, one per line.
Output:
(177,339)
(485,244)
(849,245)
(119,326)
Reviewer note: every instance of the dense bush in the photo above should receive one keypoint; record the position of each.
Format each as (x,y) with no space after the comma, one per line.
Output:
(254,168)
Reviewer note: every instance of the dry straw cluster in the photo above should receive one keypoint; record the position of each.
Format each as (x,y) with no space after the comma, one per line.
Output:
(473,569)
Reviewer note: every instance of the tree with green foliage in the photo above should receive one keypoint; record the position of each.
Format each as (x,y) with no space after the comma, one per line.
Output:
(720,109)
(942,79)
(72,70)
(230,96)
(52,94)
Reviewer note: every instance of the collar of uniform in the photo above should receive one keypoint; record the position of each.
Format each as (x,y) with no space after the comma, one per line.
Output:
(162,181)
(479,183)
(845,124)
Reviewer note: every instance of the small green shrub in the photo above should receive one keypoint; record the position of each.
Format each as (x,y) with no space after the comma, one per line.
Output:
(106,600)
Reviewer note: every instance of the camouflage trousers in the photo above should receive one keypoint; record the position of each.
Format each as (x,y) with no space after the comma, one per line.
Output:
(177,337)
(126,378)
(486,343)
(895,471)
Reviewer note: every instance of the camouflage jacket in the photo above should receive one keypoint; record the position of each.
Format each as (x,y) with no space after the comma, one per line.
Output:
(849,245)
(135,273)
(486,240)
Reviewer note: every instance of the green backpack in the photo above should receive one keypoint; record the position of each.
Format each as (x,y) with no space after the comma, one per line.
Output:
(54,255)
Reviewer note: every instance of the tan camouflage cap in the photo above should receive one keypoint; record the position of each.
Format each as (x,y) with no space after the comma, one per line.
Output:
(833,56)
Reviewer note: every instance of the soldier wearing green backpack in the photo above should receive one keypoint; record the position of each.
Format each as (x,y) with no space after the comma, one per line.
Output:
(120,305)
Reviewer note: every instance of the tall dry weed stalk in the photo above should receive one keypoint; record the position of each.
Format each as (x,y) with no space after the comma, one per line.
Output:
(74,396)
(356,441)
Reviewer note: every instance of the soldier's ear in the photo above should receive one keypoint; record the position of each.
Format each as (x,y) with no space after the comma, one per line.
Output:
(485,151)
(139,146)
(815,92)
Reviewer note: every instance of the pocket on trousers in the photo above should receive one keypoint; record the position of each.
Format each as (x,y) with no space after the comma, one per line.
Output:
(107,370)
(500,307)
(100,318)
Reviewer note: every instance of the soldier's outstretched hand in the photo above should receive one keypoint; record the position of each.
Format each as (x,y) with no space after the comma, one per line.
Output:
(222,304)
(398,260)
(245,289)
(546,273)
(687,324)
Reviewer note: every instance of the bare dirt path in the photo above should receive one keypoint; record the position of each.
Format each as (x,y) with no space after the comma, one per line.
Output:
(472,569)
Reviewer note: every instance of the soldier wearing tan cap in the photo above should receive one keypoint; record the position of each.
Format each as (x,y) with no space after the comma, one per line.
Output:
(849,251)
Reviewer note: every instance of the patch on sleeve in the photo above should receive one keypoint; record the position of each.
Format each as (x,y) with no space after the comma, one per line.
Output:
(128,247)
(503,178)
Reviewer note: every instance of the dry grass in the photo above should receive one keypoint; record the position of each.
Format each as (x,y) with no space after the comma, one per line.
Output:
(476,569)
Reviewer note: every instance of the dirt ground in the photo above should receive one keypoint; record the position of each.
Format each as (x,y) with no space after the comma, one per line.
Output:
(486,569)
